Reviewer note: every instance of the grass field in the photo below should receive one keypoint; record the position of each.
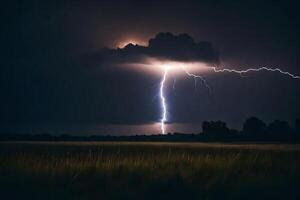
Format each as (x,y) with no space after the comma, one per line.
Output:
(145,170)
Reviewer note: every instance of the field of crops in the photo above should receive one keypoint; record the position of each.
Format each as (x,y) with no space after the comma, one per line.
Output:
(148,170)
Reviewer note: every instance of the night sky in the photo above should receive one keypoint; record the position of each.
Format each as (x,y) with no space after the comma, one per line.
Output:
(61,71)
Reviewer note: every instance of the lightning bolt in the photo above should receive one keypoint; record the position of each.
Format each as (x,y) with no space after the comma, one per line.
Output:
(195,76)
(163,100)
(255,70)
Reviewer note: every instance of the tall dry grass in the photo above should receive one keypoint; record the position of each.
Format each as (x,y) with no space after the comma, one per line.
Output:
(112,170)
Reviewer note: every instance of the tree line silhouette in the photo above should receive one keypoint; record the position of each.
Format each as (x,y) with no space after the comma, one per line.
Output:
(253,129)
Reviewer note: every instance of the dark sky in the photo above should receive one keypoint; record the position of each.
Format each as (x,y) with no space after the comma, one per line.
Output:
(52,80)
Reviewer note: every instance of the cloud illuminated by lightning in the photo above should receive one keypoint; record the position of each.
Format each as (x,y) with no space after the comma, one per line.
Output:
(166,68)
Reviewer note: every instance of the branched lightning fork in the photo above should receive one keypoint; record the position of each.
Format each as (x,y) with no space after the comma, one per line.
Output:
(255,70)
(195,78)
(216,70)
(163,98)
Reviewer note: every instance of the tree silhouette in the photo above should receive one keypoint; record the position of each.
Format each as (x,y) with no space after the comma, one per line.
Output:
(279,130)
(215,129)
(254,127)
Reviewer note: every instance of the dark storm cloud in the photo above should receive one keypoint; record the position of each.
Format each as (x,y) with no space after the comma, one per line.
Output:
(164,46)
(42,81)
